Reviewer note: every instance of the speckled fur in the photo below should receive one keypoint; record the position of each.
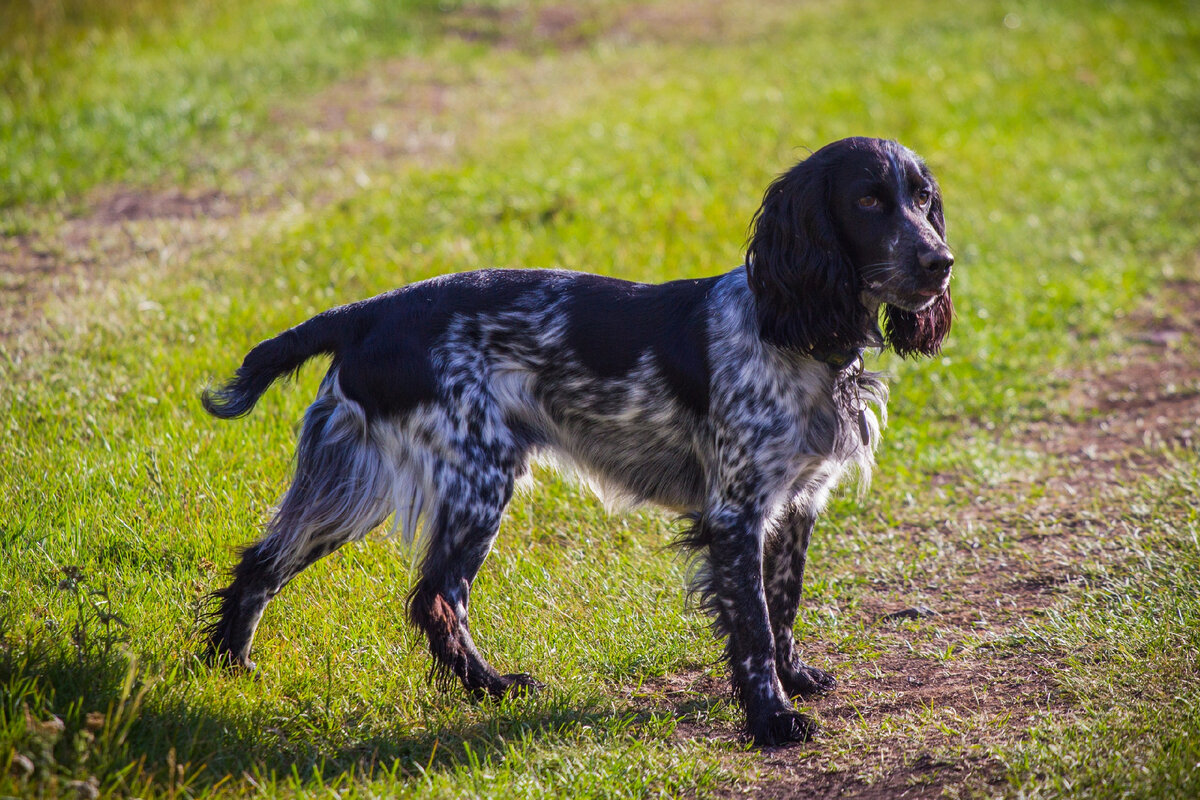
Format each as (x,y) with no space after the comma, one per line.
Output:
(440,394)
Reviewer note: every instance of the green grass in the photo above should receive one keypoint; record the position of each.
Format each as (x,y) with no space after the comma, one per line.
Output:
(166,90)
(1067,140)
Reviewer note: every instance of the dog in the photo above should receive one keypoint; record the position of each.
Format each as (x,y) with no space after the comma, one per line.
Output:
(738,400)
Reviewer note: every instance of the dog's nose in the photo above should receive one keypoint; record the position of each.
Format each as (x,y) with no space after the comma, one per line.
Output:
(940,260)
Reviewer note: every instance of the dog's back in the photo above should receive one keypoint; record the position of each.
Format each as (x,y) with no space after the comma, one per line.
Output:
(610,375)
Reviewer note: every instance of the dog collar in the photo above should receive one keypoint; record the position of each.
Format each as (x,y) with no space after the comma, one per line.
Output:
(848,357)
(839,359)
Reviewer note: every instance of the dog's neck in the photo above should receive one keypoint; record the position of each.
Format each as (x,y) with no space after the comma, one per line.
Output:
(841,358)
(838,359)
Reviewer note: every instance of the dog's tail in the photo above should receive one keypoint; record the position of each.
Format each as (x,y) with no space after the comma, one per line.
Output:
(324,334)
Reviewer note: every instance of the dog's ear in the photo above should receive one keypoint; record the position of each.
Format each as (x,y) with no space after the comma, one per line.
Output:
(804,284)
(920,333)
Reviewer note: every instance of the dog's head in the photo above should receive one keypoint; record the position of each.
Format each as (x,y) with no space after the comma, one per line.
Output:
(855,226)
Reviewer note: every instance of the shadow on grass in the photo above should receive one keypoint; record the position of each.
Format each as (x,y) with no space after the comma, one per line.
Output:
(77,714)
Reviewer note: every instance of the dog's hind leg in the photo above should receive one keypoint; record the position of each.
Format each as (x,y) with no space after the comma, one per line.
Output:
(460,536)
(784,556)
(341,490)
(240,607)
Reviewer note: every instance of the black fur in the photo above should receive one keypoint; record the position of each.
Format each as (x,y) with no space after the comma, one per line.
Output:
(668,319)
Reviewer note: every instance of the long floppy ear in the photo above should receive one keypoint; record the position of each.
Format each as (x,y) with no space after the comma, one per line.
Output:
(920,333)
(803,282)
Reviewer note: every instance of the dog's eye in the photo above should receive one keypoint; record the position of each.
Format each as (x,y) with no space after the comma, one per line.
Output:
(924,196)
(870,201)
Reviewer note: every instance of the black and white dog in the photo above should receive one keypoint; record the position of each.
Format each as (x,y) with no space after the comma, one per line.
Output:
(739,400)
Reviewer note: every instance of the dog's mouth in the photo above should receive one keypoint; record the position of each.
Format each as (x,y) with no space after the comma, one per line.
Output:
(936,290)
(918,298)
(916,281)
(914,298)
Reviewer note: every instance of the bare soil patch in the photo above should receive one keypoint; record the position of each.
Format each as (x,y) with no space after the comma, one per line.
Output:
(127,204)
(1146,403)
(558,26)
(1122,422)
(566,26)
(115,227)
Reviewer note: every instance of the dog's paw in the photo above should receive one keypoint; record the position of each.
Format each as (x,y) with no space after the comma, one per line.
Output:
(498,687)
(520,684)
(223,659)
(781,727)
(801,680)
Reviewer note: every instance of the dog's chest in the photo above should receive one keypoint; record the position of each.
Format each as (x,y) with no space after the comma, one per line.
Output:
(830,424)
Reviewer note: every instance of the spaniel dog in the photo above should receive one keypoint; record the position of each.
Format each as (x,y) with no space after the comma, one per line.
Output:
(739,400)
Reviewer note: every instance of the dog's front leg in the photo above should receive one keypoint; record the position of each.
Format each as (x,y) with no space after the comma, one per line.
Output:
(783,578)
(732,586)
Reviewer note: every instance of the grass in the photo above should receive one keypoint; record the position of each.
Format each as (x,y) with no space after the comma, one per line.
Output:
(1129,644)
(107,92)
(1066,139)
